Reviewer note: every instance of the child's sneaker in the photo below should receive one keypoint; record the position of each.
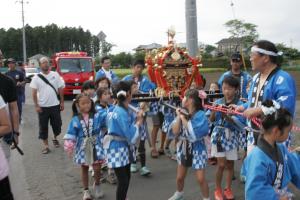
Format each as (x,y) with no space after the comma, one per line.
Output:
(133,168)
(177,196)
(111,178)
(228,194)
(86,195)
(98,192)
(218,194)
(168,152)
(145,171)
(174,156)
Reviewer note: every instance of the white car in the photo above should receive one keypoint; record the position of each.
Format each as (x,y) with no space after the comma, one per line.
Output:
(30,72)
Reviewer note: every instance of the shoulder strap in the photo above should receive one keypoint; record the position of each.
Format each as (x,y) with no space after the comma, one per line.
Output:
(47,82)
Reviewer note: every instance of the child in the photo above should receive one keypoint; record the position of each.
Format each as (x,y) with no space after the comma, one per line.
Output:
(211,160)
(102,82)
(140,83)
(224,137)
(191,149)
(169,116)
(103,107)
(269,168)
(122,134)
(83,135)
(88,87)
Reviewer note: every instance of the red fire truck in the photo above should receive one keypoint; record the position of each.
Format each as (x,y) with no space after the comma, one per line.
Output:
(75,68)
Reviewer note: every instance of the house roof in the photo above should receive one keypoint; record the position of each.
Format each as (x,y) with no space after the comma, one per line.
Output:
(229,40)
(37,57)
(148,47)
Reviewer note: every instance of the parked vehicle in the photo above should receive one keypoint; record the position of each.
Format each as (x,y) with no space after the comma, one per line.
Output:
(75,68)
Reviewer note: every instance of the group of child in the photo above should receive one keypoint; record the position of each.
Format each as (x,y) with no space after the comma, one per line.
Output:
(106,130)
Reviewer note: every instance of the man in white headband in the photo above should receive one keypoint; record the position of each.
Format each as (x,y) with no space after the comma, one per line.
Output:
(270,82)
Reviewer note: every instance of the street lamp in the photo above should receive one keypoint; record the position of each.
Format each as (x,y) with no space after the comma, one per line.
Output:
(23,31)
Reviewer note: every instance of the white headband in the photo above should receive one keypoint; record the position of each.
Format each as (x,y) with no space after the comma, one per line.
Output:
(121,93)
(270,110)
(266,52)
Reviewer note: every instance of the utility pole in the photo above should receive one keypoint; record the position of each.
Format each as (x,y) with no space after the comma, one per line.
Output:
(23,31)
(191,27)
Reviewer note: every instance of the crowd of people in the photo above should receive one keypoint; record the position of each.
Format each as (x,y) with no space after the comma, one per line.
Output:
(109,129)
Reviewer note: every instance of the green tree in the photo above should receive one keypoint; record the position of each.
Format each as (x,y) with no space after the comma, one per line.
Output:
(139,55)
(289,53)
(241,29)
(122,60)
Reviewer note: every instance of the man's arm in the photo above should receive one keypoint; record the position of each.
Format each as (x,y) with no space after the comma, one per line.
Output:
(61,94)
(4,122)
(35,100)
(14,112)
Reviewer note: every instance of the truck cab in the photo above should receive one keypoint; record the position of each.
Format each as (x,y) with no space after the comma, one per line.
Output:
(75,68)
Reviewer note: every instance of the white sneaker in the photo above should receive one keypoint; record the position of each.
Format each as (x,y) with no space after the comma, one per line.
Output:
(177,196)
(98,192)
(86,195)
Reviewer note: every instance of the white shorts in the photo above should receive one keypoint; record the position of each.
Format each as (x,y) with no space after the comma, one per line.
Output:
(229,155)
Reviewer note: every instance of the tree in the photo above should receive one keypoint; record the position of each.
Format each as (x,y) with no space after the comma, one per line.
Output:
(48,40)
(289,53)
(123,60)
(240,29)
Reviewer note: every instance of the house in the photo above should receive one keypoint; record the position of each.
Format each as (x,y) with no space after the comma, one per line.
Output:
(229,45)
(34,60)
(147,47)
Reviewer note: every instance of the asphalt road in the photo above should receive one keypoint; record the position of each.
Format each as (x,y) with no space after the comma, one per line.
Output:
(35,176)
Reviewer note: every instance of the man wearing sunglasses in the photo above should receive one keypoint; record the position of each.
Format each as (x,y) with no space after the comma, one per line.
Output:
(236,71)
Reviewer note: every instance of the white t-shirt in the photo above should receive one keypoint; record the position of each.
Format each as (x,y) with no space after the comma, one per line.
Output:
(45,93)
(3,162)
(107,73)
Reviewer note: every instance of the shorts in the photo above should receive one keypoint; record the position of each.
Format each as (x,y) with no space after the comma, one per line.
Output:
(229,155)
(158,119)
(52,114)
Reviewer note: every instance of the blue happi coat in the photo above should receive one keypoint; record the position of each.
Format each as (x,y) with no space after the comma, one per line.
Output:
(194,136)
(260,172)
(245,79)
(101,73)
(75,133)
(144,85)
(280,88)
(229,132)
(120,123)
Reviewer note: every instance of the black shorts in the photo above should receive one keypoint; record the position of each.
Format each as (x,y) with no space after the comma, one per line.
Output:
(52,114)
(158,119)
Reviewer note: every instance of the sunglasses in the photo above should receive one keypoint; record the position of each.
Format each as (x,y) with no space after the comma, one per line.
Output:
(235,60)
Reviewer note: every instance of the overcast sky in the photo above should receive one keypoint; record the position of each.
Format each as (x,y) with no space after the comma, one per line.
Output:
(129,23)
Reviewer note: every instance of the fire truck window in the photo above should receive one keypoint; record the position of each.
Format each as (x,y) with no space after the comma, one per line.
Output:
(75,65)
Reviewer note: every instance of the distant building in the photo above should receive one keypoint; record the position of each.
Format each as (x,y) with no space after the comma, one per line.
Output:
(34,60)
(147,47)
(229,45)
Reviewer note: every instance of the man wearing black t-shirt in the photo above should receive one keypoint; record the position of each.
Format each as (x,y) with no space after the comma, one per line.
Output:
(9,94)
(19,77)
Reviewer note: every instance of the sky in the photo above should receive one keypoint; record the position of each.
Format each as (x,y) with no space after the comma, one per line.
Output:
(129,23)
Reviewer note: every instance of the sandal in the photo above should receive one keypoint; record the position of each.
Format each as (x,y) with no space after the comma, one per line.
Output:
(46,150)
(161,152)
(154,153)
(56,143)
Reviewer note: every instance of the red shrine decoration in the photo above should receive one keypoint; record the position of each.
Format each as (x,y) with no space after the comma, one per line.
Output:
(173,70)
